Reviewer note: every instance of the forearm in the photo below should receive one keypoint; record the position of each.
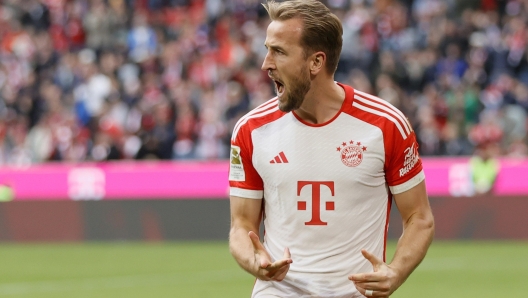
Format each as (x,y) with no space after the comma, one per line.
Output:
(412,247)
(241,248)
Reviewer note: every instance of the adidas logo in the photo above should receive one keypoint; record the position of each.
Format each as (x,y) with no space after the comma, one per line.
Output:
(281,158)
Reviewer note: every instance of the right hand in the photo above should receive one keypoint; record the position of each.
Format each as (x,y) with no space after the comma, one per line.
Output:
(265,268)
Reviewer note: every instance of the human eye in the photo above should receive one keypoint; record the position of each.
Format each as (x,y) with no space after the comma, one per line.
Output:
(279,51)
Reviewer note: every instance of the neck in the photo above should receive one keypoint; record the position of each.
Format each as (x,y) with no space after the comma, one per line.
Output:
(322,102)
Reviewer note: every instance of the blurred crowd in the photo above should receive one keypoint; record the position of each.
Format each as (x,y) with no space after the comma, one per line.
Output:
(95,80)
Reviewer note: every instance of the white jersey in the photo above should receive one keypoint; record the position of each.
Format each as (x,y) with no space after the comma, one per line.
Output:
(327,188)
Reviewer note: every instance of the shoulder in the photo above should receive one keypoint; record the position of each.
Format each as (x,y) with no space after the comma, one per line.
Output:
(380,113)
(261,115)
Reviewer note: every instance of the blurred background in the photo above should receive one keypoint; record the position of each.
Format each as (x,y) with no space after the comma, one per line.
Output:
(96,80)
(116,116)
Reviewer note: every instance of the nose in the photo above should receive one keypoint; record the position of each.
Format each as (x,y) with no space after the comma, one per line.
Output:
(268,64)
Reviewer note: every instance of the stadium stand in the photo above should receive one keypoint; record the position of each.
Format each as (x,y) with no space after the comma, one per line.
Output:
(103,80)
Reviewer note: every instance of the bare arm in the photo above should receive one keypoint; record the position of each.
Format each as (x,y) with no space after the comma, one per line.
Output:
(245,217)
(418,232)
(245,245)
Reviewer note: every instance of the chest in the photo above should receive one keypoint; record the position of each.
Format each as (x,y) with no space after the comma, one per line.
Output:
(345,151)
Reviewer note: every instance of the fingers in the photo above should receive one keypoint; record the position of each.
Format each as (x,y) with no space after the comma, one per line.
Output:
(369,285)
(278,265)
(277,270)
(287,254)
(255,240)
(365,278)
(372,276)
(269,270)
(378,284)
(281,273)
(372,284)
(259,249)
(372,293)
(374,289)
(375,261)
(261,255)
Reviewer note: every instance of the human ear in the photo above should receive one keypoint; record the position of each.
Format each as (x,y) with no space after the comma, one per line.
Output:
(317,62)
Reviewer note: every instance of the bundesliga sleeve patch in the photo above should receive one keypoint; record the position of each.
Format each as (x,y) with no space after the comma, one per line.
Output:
(236,168)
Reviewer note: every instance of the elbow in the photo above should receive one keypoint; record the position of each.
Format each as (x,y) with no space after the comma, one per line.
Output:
(423,222)
(429,225)
(429,220)
(232,233)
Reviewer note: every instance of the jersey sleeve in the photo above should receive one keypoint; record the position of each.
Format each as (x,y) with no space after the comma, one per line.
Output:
(403,166)
(244,180)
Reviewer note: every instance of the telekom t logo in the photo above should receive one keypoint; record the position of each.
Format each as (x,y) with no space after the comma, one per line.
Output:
(316,200)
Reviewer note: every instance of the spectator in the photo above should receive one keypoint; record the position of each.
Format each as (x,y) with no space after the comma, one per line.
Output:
(116,79)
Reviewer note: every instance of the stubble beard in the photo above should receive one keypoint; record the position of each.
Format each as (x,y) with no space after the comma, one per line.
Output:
(293,97)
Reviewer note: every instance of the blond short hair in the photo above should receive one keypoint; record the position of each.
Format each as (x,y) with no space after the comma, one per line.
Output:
(322,29)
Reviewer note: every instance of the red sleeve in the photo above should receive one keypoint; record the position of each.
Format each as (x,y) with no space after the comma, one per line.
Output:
(402,161)
(242,174)
(403,167)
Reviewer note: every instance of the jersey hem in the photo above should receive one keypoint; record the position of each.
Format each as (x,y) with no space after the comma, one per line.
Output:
(246,193)
(408,184)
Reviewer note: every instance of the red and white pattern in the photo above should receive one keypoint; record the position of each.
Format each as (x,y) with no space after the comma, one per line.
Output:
(324,206)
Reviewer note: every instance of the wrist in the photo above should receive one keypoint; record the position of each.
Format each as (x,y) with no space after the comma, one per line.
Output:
(398,275)
(254,267)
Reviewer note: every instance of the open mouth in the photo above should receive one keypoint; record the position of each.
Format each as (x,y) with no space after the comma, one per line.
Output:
(279,87)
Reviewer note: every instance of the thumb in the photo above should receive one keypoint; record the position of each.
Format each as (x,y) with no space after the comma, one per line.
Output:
(255,240)
(375,261)
(259,249)
(287,254)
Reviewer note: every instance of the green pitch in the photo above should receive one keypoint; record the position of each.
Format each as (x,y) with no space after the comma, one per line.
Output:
(202,270)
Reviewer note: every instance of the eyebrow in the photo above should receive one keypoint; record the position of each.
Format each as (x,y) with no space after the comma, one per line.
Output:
(275,48)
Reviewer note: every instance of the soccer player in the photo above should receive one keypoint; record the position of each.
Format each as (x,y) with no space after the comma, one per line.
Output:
(320,164)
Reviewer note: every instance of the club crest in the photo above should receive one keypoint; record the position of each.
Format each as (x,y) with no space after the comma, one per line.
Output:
(351,153)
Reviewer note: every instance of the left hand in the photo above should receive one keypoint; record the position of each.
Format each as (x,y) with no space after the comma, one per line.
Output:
(382,282)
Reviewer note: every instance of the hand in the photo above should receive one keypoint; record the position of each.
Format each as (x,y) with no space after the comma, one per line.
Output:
(266,269)
(382,282)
